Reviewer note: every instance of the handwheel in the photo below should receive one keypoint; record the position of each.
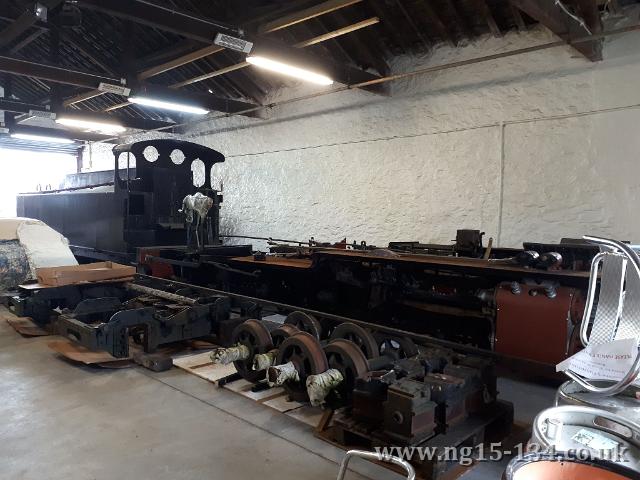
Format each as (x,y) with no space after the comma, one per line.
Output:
(346,357)
(305,352)
(305,323)
(280,334)
(358,335)
(255,336)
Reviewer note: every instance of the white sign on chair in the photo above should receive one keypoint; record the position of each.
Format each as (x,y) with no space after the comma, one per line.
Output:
(605,361)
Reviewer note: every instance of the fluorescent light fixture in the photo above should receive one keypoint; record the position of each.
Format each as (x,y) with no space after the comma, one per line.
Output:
(41,138)
(178,107)
(90,125)
(289,70)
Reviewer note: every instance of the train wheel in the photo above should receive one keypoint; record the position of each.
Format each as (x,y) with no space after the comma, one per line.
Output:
(308,358)
(305,323)
(255,336)
(348,358)
(281,333)
(358,335)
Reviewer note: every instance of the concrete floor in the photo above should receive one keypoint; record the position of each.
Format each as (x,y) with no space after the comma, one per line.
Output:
(64,421)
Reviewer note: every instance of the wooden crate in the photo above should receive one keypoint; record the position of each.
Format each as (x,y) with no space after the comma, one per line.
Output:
(91,272)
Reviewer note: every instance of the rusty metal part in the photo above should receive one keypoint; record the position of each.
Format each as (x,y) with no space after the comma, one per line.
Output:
(346,357)
(334,318)
(281,333)
(358,335)
(526,317)
(254,335)
(409,414)
(305,322)
(172,297)
(306,354)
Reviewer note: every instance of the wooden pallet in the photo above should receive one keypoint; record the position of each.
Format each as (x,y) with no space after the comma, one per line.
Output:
(275,398)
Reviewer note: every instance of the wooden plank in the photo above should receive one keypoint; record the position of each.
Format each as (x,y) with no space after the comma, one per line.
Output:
(338,32)
(201,365)
(302,263)
(306,14)
(38,286)
(178,62)
(282,403)
(67,275)
(206,76)
(307,414)
(213,372)
(191,361)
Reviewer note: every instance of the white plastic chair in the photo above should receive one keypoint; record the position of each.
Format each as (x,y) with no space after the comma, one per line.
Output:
(617,315)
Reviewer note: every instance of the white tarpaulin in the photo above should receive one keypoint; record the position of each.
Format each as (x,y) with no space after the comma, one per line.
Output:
(43,246)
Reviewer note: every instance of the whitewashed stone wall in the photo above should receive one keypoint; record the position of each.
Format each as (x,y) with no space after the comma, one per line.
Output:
(533,147)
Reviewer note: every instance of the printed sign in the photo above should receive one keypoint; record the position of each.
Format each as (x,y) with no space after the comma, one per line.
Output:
(117,89)
(233,43)
(608,361)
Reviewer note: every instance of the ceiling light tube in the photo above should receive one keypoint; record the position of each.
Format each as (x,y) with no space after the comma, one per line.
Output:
(90,125)
(40,138)
(178,107)
(289,70)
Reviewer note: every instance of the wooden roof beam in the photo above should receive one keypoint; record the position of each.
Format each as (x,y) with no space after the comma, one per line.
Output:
(423,39)
(387,24)
(338,32)
(485,11)
(305,43)
(25,21)
(434,18)
(91,81)
(551,16)
(460,20)
(517,17)
(306,14)
(238,66)
(205,30)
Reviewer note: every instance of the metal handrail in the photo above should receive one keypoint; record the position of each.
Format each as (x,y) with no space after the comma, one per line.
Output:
(411,473)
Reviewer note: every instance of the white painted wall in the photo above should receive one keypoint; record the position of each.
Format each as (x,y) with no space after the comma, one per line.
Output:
(428,159)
